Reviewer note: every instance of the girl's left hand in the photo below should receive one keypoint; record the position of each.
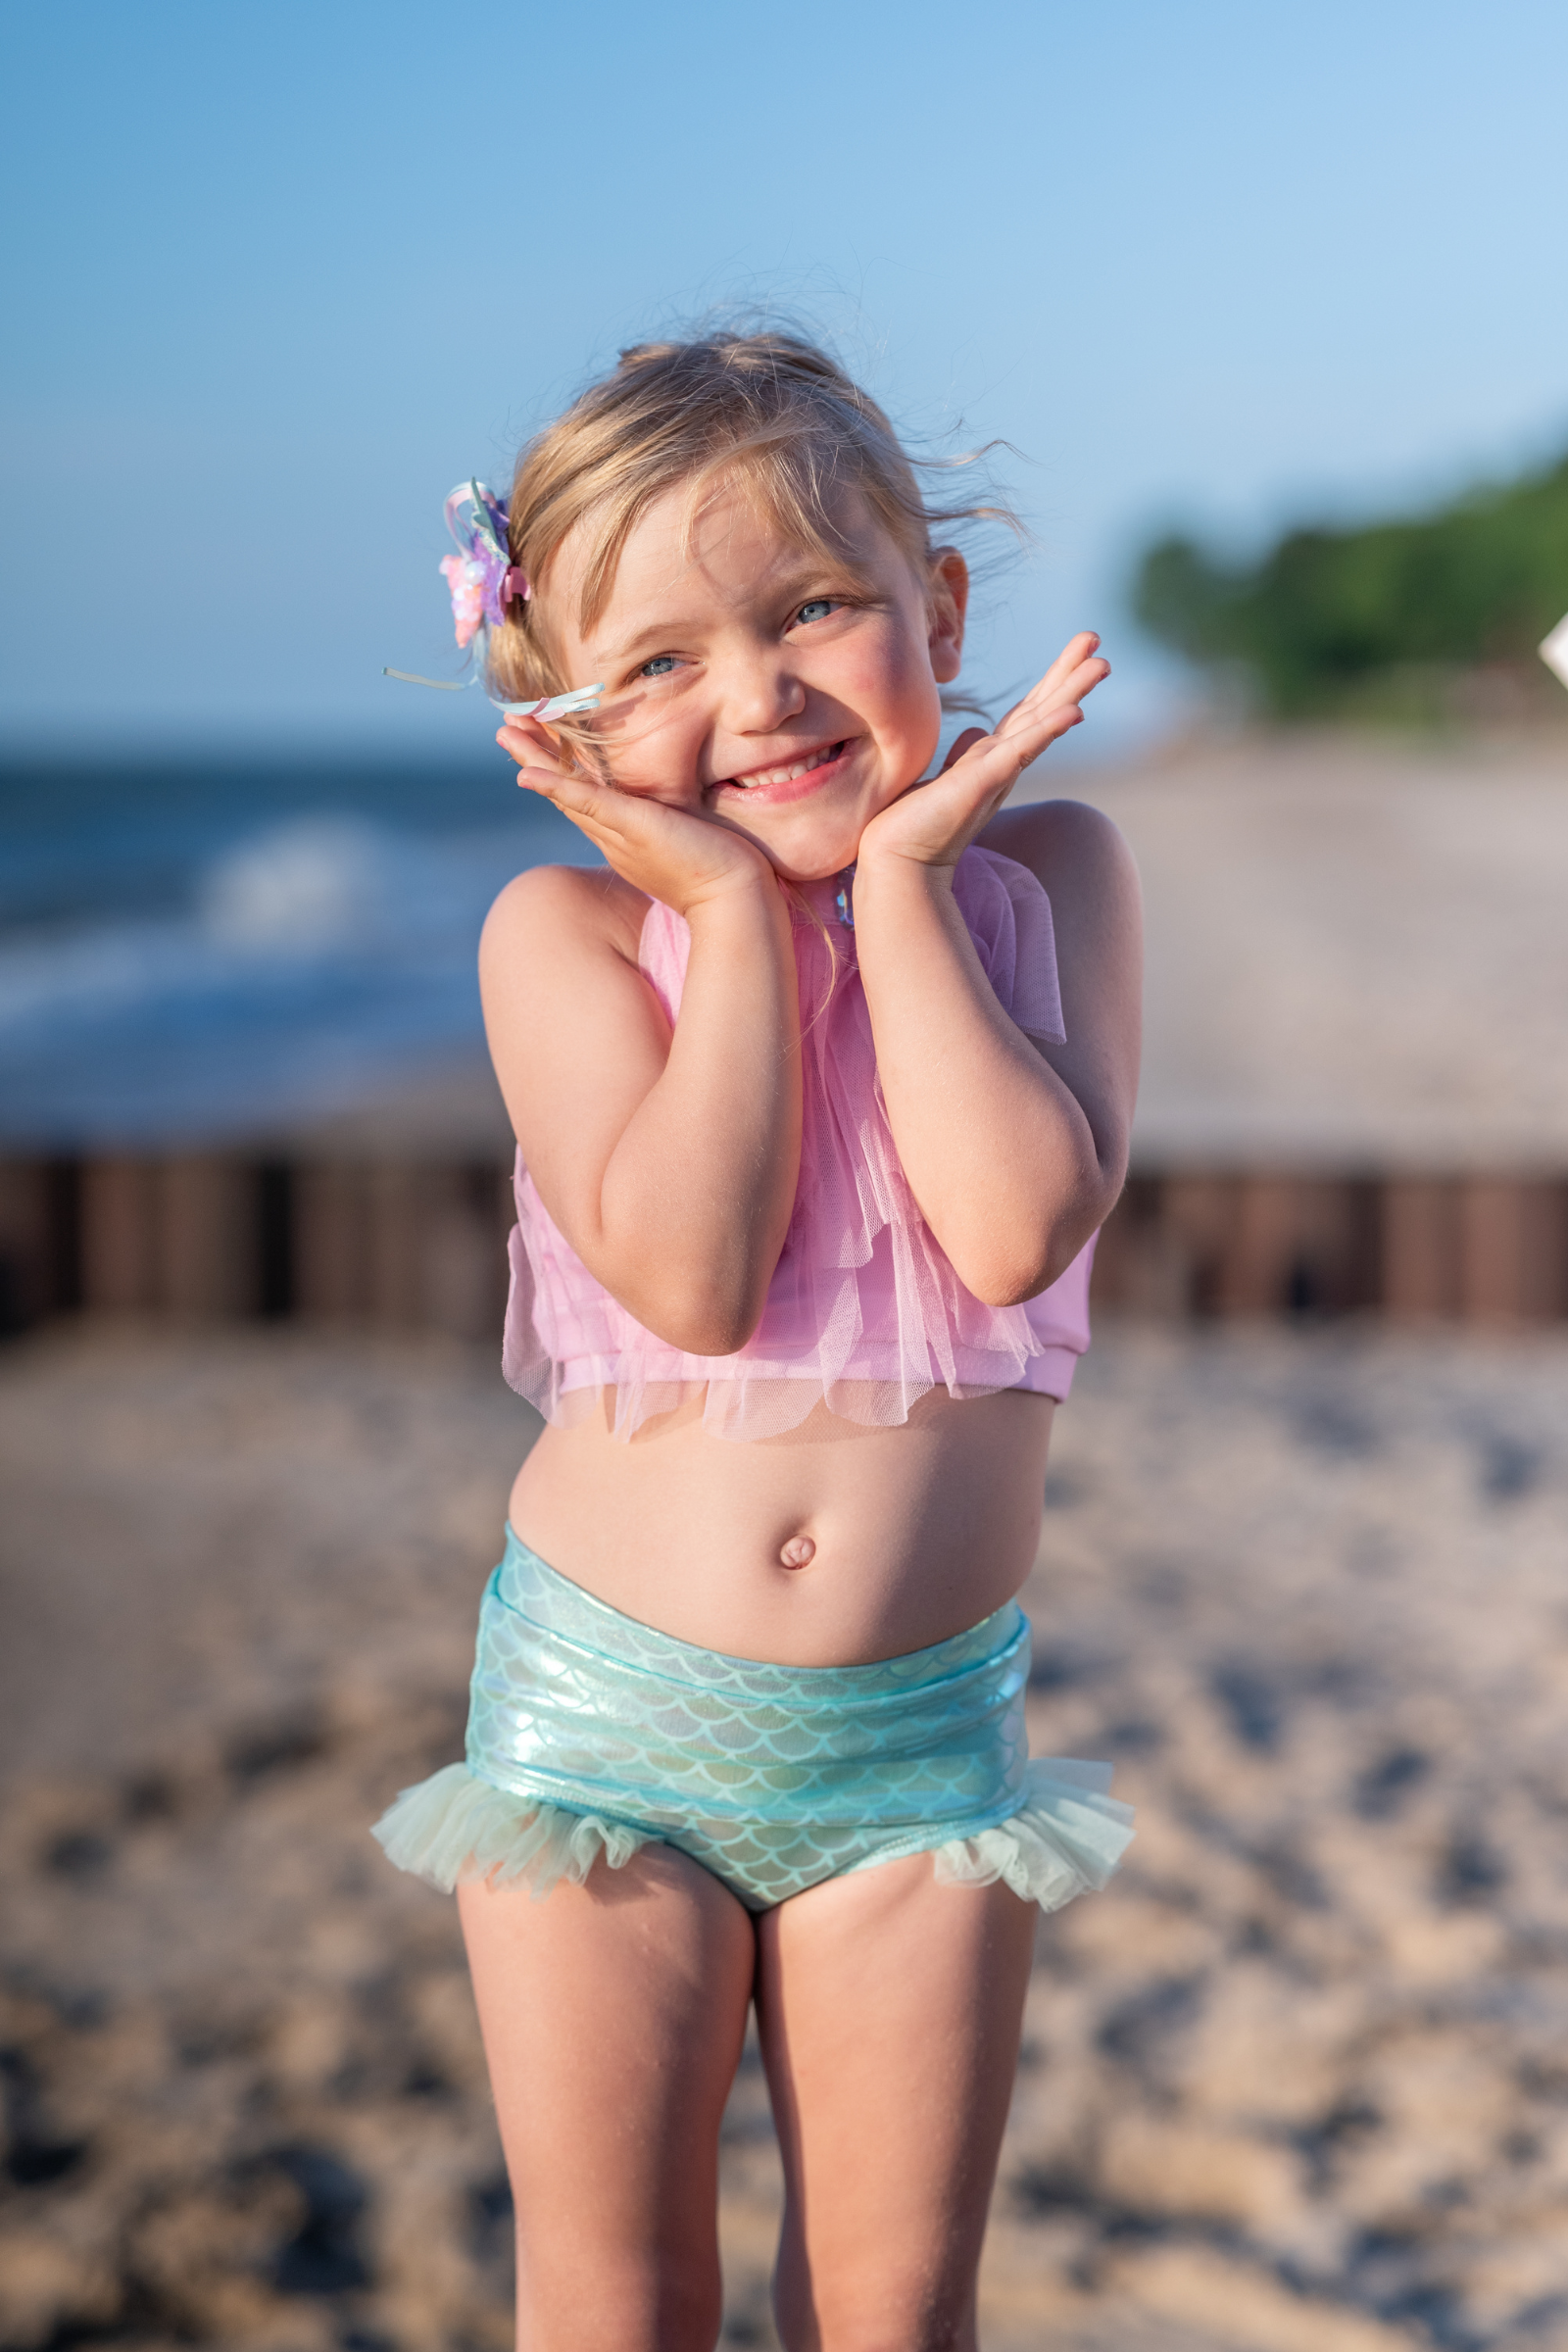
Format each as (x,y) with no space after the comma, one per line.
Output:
(934,822)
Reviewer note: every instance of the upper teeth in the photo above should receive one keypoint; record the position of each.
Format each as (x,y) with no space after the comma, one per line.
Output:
(785,775)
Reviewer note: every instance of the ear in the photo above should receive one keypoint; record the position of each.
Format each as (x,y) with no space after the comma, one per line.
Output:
(947,602)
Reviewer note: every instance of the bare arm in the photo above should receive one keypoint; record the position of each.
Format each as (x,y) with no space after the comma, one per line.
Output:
(670,1160)
(1015,1149)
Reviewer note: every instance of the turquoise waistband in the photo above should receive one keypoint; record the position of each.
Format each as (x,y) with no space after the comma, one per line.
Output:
(773,1776)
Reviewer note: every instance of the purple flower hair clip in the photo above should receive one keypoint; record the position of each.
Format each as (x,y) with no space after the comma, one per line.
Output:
(483,581)
(483,578)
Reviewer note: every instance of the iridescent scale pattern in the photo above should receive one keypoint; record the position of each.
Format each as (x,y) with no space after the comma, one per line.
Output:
(604,1733)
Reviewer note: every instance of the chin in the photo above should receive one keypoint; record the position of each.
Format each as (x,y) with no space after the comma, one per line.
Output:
(812,852)
(799,865)
(812,869)
(802,859)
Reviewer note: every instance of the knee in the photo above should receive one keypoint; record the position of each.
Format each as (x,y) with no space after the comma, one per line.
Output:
(670,2305)
(886,2312)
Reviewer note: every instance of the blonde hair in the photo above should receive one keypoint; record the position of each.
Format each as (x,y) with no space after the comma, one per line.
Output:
(770,413)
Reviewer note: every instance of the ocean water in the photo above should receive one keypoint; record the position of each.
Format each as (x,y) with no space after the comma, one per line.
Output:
(196,950)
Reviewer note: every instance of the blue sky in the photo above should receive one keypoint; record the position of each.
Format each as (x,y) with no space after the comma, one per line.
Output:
(278,275)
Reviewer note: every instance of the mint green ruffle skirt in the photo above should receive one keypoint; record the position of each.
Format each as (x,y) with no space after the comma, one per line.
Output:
(591,1734)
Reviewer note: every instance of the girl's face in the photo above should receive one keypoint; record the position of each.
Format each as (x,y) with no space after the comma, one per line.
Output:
(746,678)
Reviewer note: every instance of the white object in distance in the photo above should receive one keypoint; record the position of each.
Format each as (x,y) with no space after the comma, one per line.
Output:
(1555,650)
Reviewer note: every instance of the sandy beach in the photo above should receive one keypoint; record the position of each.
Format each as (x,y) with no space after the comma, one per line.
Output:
(1296,2083)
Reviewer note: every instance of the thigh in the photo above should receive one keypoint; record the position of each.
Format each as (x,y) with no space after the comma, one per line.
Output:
(889,2009)
(612,2016)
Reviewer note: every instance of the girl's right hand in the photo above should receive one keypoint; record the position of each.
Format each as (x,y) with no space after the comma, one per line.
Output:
(677,856)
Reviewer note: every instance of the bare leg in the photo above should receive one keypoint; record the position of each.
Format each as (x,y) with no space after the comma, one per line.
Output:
(613,2015)
(889,2009)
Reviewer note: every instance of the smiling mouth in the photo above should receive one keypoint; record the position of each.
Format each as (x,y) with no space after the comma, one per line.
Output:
(792,771)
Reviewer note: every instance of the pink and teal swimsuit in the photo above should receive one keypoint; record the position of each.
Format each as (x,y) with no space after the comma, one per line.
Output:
(590,1734)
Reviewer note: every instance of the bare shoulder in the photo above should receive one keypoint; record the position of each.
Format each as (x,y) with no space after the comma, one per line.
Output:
(1065,844)
(556,913)
(567,1010)
(1087,871)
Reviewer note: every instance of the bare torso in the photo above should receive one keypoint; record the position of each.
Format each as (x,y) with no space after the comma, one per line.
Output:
(911,1534)
(914,1532)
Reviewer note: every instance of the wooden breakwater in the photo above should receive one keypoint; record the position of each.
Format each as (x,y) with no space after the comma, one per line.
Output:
(1473,1247)
(404,1243)
(414,1243)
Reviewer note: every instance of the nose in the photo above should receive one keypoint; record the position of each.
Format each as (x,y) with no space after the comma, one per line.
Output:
(760,695)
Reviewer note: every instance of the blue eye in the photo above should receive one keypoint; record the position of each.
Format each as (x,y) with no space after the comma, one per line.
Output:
(817,609)
(659,668)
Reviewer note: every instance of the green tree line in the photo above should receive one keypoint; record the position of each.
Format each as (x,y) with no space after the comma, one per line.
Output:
(1377,622)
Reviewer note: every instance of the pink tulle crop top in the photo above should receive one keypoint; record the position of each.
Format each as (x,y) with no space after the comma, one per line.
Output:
(865,1311)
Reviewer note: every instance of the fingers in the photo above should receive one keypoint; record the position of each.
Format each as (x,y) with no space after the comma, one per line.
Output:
(1073,655)
(542,769)
(593,807)
(993,764)
(961,746)
(551,784)
(525,740)
(597,809)
(1048,711)
(1076,671)
(1023,743)
(1076,686)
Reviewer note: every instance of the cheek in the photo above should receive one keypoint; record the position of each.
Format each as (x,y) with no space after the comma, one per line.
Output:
(887,677)
(653,745)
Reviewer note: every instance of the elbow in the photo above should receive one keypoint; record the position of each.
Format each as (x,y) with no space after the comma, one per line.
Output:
(709,1324)
(715,1335)
(1010,1276)
(1013,1285)
(706,1308)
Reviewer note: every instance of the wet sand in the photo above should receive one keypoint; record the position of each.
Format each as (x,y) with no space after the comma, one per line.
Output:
(1298,2084)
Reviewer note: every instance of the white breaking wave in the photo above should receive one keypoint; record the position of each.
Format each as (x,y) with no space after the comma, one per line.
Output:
(318,950)
(328,883)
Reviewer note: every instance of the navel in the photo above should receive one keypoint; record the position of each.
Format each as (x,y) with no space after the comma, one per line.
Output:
(796,1552)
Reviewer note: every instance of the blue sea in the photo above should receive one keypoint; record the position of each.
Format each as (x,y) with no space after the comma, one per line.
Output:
(195,950)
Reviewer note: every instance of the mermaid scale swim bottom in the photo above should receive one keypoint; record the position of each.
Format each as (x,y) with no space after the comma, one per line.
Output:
(590,1734)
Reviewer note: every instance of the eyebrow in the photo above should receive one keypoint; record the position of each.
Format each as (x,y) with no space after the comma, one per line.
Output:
(656,631)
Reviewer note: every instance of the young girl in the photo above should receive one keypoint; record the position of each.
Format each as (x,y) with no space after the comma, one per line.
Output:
(822,1092)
